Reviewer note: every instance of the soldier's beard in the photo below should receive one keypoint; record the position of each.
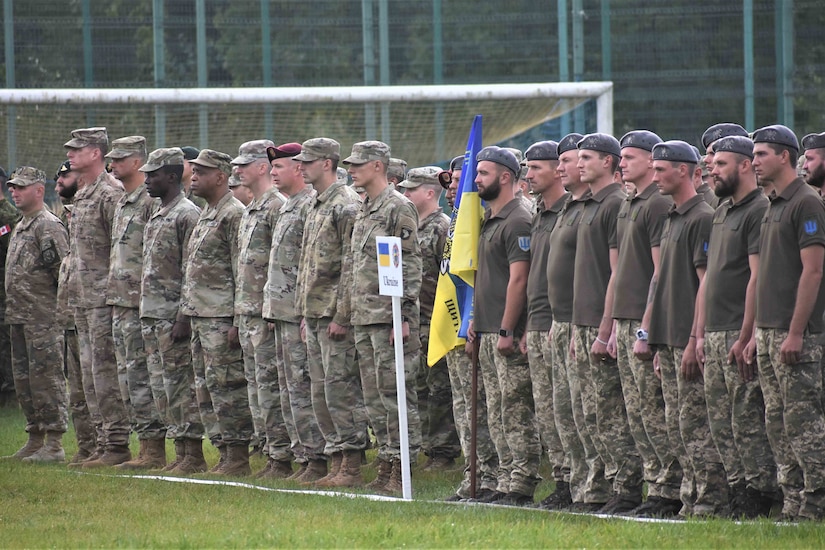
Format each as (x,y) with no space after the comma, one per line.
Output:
(816,178)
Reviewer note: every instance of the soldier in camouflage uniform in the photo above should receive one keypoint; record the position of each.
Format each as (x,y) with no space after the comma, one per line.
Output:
(251,165)
(138,384)
(189,154)
(435,399)
(281,308)
(322,294)
(396,171)
(166,330)
(8,218)
(384,212)
(240,191)
(208,298)
(37,246)
(90,244)
(257,341)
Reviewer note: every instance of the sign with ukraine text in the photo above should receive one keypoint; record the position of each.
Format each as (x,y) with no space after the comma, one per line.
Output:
(390,274)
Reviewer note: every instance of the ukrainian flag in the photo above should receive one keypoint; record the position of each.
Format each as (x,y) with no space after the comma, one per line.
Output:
(384,254)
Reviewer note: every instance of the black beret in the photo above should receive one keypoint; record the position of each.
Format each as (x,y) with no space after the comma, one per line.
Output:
(723,129)
(543,150)
(569,143)
(64,168)
(675,151)
(189,152)
(602,143)
(814,141)
(734,144)
(640,139)
(457,163)
(501,157)
(781,135)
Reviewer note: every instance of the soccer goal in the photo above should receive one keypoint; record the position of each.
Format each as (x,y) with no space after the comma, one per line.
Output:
(422,124)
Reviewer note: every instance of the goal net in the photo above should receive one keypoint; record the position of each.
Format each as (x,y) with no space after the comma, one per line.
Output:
(422,124)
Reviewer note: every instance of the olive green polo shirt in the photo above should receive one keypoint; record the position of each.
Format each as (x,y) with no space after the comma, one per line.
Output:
(734,236)
(504,239)
(561,258)
(639,228)
(539,312)
(682,250)
(596,236)
(793,221)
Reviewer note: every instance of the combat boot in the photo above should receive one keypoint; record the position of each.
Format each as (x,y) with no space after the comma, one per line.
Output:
(334,468)
(180,454)
(383,477)
(302,467)
(218,468)
(51,451)
(79,462)
(193,462)
(112,456)
(316,469)
(81,455)
(349,475)
(394,485)
(237,461)
(34,444)
(144,461)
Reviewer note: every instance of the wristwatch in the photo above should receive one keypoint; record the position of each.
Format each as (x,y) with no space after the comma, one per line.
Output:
(641,334)
(504,332)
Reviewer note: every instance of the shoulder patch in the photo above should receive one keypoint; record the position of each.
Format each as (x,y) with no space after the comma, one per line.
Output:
(524,243)
(811,227)
(405,233)
(48,253)
(705,246)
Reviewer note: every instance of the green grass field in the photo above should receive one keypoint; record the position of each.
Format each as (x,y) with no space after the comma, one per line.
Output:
(50,506)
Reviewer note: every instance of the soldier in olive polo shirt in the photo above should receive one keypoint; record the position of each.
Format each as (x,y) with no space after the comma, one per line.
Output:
(736,411)
(639,232)
(813,161)
(789,306)
(674,291)
(715,133)
(596,258)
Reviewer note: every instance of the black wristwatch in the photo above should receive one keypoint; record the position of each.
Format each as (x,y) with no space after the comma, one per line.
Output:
(504,332)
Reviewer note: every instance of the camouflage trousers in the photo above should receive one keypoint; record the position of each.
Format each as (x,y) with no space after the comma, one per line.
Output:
(250,373)
(260,355)
(605,416)
(539,355)
(203,397)
(567,409)
(795,421)
(704,483)
(84,428)
(37,361)
(736,415)
(435,405)
(337,398)
(100,380)
(460,368)
(173,360)
(6,369)
(298,390)
(376,361)
(646,415)
(225,379)
(511,417)
(138,384)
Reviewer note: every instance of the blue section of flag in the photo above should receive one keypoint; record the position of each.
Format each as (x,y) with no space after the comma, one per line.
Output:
(383,248)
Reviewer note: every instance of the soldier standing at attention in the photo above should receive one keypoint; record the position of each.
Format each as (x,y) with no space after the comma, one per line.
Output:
(90,242)
(189,154)
(138,384)
(542,172)
(814,160)
(37,246)
(384,212)
(789,305)
(9,215)
(208,298)
(323,296)
(435,400)
(396,171)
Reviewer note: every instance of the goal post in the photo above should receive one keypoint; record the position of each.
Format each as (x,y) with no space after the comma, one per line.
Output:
(422,124)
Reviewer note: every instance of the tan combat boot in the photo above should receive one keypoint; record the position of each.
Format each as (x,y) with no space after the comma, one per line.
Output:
(237,461)
(349,475)
(193,462)
(383,477)
(334,468)
(51,451)
(152,455)
(218,467)
(180,454)
(316,469)
(78,462)
(112,456)
(302,467)
(394,485)
(276,469)
(34,444)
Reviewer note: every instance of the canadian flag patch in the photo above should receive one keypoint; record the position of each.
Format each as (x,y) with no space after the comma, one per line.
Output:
(5,230)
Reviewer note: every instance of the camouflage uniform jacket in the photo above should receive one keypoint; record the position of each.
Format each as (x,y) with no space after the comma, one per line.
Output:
(324,270)
(66,281)
(126,258)
(200,202)
(209,282)
(165,249)
(393,215)
(254,242)
(38,245)
(9,216)
(432,233)
(91,240)
(287,236)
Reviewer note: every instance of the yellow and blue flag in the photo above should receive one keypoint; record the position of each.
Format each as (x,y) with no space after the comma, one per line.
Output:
(384,254)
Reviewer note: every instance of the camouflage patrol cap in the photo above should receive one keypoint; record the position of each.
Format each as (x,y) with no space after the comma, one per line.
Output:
(516,153)
(734,144)
(251,151)
(209,158)
(26,176)
(341,176)
(416,177)
(501,156)
(319,148)
(603,143)
(127,146)
(84,137)
(723,129)
(171,156)
(778,134)
(368,151)
(569,142)
(543,150)
(814,141)
(397,168)
(675,151)
(65,168)
(640,139)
